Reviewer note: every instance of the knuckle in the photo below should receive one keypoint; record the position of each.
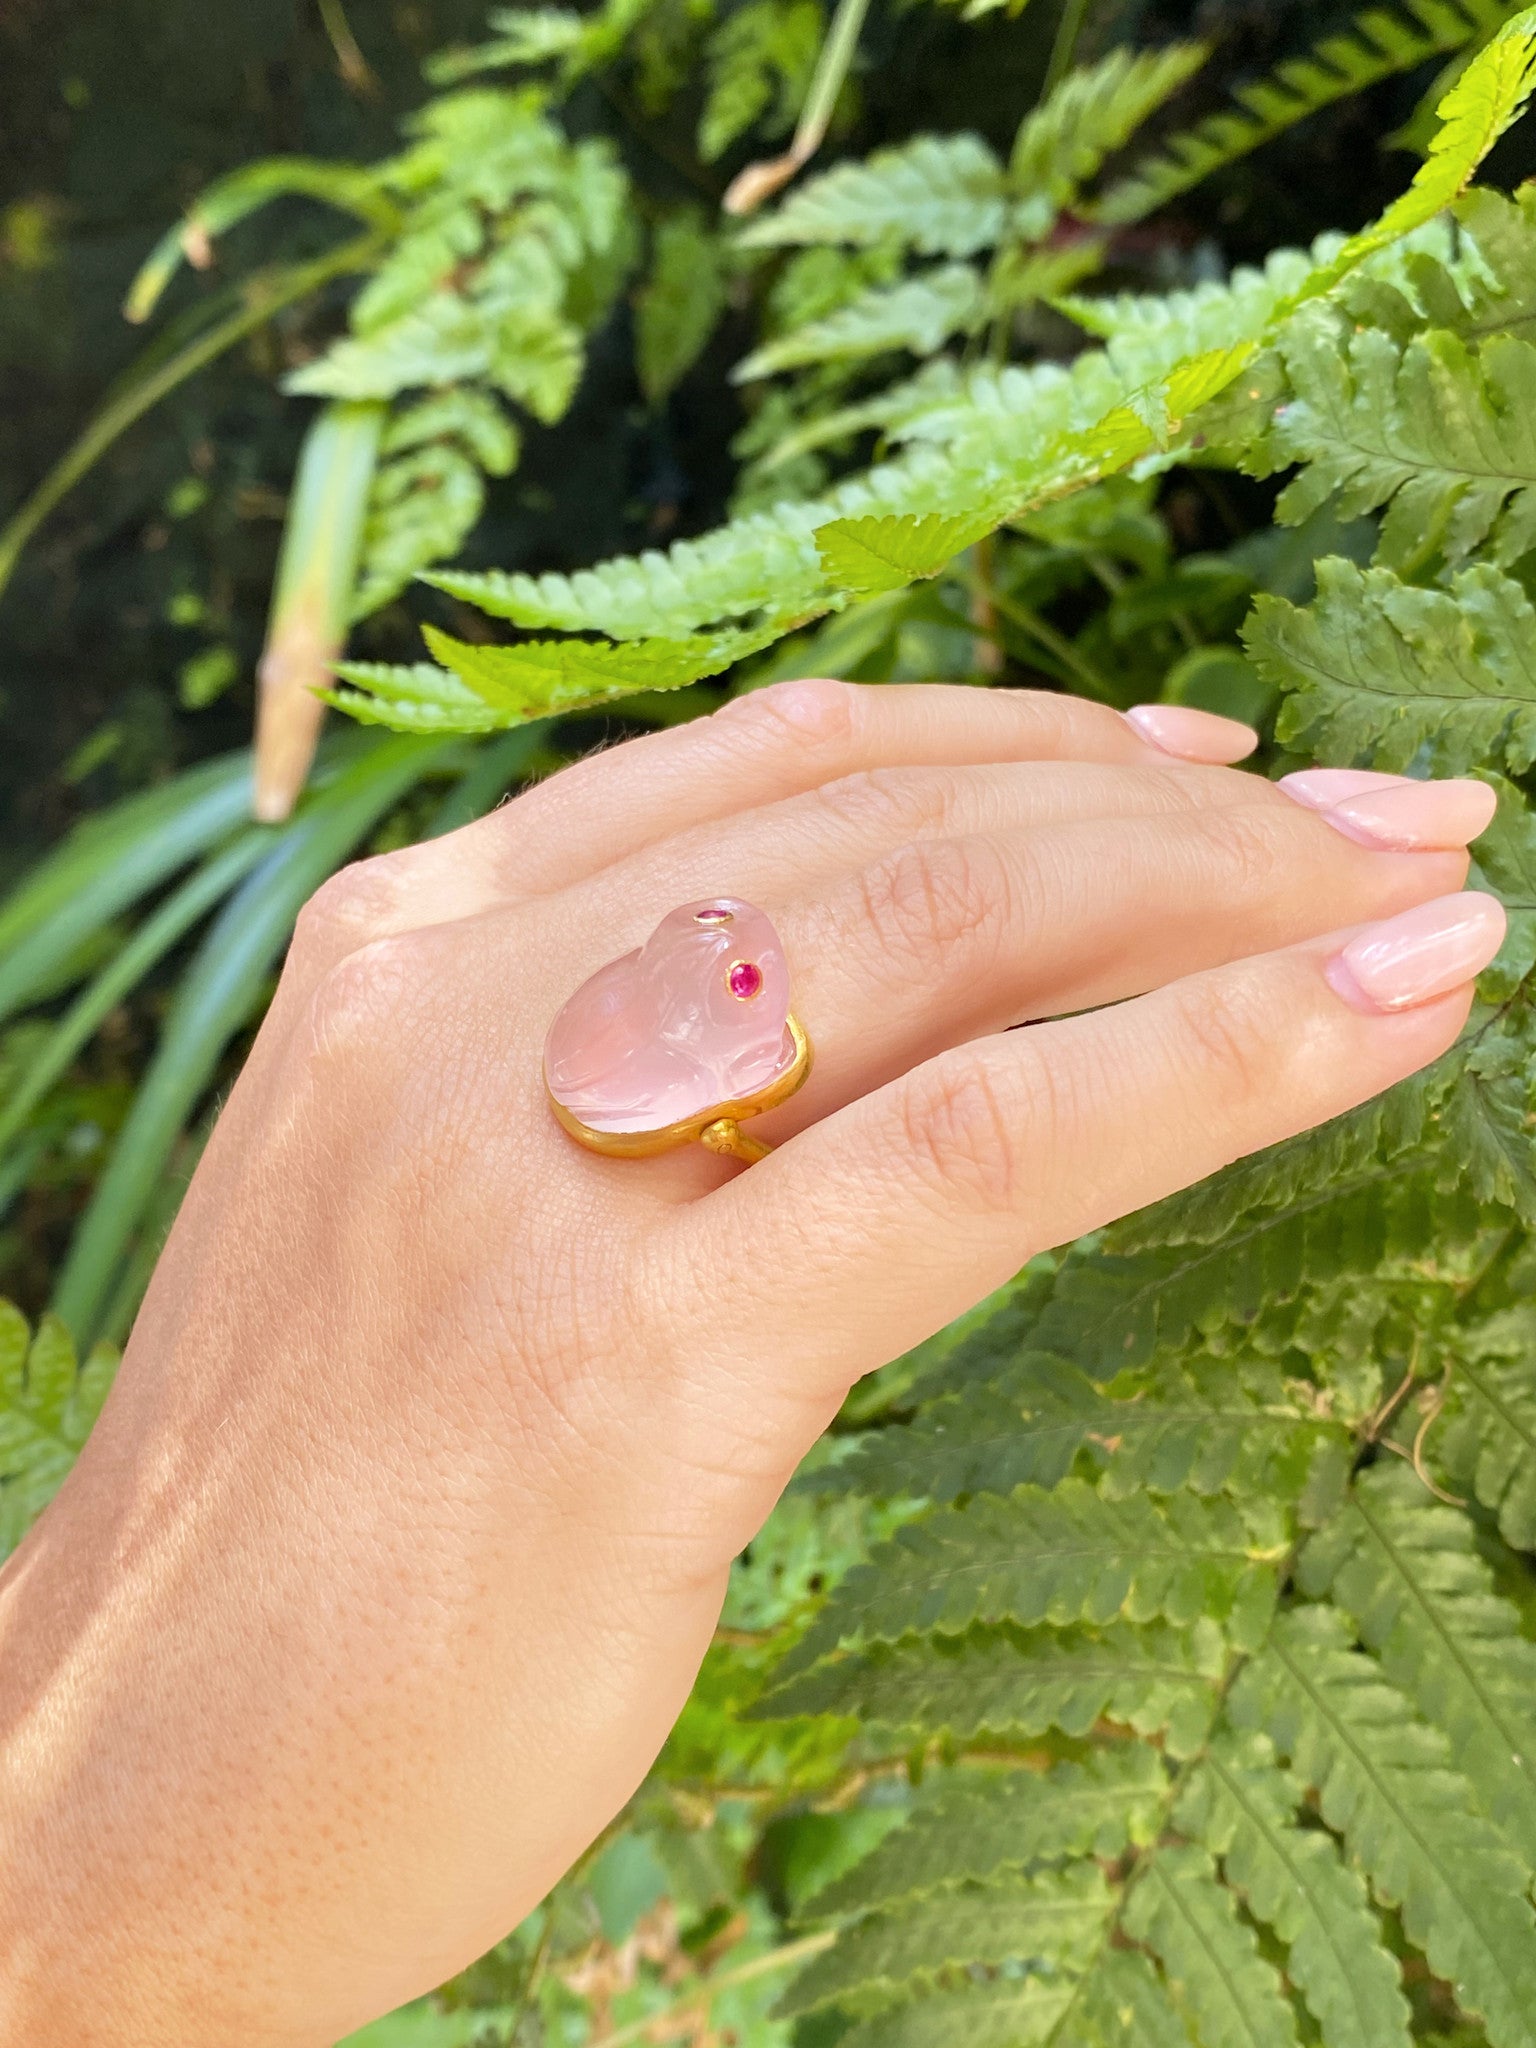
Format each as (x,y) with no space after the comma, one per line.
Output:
(889,800)
(351,905)
(1221,1030)
(1245,843)
(816,710)
(961,1134)
(928,897)
(362,1001)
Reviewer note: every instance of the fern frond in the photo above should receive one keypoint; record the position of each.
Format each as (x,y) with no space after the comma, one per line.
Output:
(1208,1423)
(1060,1557)
(48,1403)
(938,195)
(410,697)
(1408,1570)
(1015,1682)
(1382,43)
(919,314)
(1441,438)
(1055,1918)
(1189,1920)
(678,305)
(1206,316)
(868,556)
(1243,1808)
(1065,141)
(1384,1782)
(1487,1442)
(760,61)
(1005,2013)
(983,1823)
(1377,670)
(1109,1311)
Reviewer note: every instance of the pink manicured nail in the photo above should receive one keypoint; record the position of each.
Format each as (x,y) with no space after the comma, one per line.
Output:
(1424,953)
(1192,735)
(1321,788)
(1397,814)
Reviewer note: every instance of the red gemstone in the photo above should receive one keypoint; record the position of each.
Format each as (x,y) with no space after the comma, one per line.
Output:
(715,913)
(744,980)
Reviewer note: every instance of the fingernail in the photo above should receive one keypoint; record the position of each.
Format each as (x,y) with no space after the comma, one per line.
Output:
(1192,735)
(1404,816)
(1421,954)
(1321,788)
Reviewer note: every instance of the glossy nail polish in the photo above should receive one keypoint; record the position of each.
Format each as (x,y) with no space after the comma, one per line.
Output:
(1321,788)
(1395,814)
(1423,953)
(1192,735)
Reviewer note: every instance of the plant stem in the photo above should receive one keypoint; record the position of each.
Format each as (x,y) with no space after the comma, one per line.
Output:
(1073,14)
(759,181)
(354,67)
(266,293)
(1046,636)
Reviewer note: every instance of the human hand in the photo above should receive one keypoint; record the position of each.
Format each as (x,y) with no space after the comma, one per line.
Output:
(404,1530)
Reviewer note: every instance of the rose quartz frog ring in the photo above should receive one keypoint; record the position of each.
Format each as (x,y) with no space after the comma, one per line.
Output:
(682,1040)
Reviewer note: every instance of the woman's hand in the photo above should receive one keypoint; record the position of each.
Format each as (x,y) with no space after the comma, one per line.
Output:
(403,1532)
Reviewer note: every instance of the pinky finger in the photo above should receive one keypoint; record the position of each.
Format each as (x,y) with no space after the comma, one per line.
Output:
(877,1226)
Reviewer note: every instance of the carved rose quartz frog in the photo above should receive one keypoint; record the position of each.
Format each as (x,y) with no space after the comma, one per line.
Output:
(691,1029)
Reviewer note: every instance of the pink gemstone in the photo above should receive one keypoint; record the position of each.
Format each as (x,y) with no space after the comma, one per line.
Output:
(681,1026)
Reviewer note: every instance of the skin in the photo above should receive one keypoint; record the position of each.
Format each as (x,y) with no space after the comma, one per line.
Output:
(406,1525)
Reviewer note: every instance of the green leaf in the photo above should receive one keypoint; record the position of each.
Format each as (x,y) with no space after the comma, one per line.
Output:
(1380,671)
(1384,41)
(939,195)
(1093,112)
(1440,437)
(1487,1442)
(1111,1310)
(411,698)
(871,555)
(678,306)
(1243,1808)
(1060,1557)
(1005,2013)
(1209,1423)
(1017,1682)
(1384,1781)
(1408,1570)
(537,677)
(48,1404)
(918,314)
(981,1823)
(350,188)
(1056,1918)
(760,60)
(1189,1921)
(1485,101)
(107,863)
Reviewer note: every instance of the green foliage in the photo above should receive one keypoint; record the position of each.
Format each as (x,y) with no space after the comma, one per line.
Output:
(48,1403)
(678,305)
(760,61)
(1383,40)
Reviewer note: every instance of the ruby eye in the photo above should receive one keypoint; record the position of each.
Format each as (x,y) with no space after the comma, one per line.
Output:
(744,980)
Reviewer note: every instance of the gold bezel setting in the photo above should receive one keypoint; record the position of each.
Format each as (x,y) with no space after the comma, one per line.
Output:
(716,1128)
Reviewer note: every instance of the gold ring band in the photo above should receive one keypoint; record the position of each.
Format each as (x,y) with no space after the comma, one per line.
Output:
(718,1129)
